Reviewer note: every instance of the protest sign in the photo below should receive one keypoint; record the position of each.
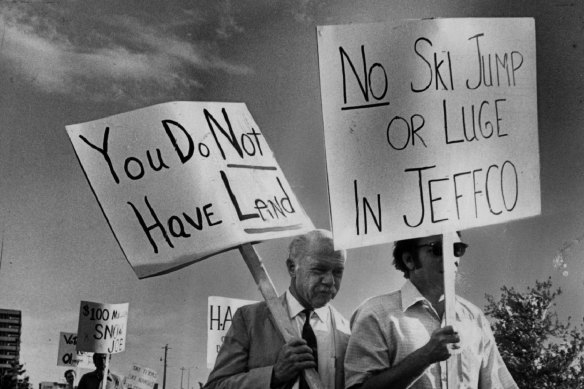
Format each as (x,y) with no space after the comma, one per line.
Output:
(430,126)
(181,181)
(220,314)
(140,377)
(68,354)
(102,327)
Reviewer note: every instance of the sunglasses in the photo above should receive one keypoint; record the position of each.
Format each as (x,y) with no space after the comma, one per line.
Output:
(459,248)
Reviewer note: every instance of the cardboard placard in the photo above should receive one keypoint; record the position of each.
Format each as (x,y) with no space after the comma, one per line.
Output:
(219,317)
(140,377)
(68,354)
(102,327)
(430,126)
(181,181)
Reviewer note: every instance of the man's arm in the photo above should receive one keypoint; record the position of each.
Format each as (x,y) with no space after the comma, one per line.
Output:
(232,370)
(404,373)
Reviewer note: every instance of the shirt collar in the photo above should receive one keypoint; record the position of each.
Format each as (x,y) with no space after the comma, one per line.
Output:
(410,295)
(294,308)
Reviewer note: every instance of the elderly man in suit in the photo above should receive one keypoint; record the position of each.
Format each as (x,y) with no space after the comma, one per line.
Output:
(254,354)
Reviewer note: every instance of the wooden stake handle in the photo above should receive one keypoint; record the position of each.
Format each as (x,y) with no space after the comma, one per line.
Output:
(105,372)
(268,291)
(449,268)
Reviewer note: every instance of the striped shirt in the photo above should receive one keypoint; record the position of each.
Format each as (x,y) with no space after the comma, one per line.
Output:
(387,328)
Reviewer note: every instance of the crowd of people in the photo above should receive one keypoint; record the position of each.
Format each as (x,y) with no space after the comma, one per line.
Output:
(395,340)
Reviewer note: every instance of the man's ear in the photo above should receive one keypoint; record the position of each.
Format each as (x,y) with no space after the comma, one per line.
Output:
(408,260)
(291,266)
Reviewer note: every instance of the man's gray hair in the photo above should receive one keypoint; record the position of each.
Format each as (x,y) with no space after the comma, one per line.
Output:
(313,242)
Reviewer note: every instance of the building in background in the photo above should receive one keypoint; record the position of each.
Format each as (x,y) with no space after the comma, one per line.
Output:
(10,326)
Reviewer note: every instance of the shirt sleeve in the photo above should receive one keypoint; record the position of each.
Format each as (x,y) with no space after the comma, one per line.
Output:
(493,373)
(368,351)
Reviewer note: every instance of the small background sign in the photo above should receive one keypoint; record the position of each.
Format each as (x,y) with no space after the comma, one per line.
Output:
(140,377)
(102,327)
(68,354)
(220,313)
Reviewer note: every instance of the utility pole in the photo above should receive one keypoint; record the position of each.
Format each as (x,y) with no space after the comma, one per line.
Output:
(164,371)
(182,370)
(189,379)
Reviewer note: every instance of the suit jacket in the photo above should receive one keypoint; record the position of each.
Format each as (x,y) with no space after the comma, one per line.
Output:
(252,344)
(92,380)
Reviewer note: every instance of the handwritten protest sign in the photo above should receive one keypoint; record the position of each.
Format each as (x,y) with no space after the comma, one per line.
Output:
(140,377)
(181,181)
(102,327)
(430,126)
(220,314)
(68,354)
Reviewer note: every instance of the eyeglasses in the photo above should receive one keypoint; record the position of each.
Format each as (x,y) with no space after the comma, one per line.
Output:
(459,248)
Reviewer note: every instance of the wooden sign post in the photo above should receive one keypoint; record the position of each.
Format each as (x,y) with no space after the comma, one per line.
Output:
(105,372)
(449,266)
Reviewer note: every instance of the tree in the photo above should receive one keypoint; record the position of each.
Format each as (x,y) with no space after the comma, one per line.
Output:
(538,349)
(14,378)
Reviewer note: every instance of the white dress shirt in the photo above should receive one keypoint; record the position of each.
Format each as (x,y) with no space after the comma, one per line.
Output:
(321,324)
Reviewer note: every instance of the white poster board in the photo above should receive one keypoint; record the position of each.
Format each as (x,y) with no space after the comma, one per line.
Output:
(102,327)
(430,126)
(181,181)
(140,377)
(219,317)
(68,354)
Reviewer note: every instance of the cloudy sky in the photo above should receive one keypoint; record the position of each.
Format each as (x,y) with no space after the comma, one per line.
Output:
(66,62)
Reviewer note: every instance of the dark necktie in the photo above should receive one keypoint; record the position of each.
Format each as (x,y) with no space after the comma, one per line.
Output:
(308,335)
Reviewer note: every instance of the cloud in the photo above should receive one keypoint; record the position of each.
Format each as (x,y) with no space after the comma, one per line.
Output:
(227,22)
(303,10)
(118,57)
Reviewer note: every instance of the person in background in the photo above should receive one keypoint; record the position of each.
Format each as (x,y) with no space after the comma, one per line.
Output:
(70,376)
(254,354)
(399,341)
(93,380)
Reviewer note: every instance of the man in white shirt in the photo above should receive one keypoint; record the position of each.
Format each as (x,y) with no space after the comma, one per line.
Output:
(398,339)
(254,354)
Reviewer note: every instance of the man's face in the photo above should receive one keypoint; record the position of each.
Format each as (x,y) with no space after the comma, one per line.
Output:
(99,361)
(316,278)
(429,260)
(70,377)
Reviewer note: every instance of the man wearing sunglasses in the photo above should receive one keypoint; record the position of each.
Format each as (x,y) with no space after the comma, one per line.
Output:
(399,339)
